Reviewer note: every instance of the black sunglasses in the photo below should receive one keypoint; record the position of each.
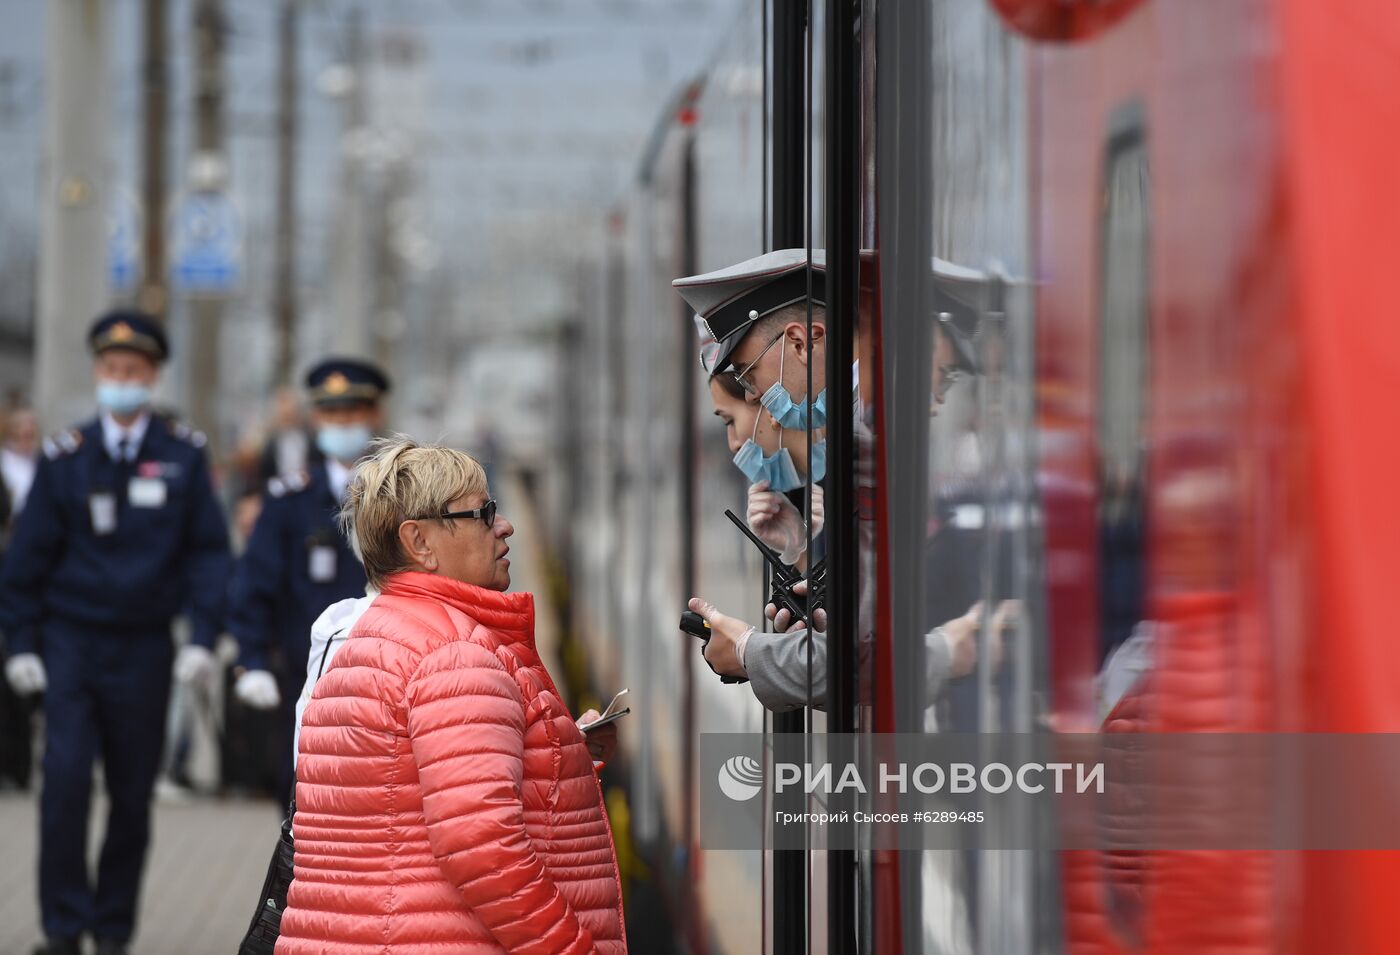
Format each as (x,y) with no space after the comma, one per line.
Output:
(487,513)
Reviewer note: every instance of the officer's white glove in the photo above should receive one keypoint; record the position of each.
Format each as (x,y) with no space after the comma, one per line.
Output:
(194,665)
(258,689)
(26,674)
(779,524)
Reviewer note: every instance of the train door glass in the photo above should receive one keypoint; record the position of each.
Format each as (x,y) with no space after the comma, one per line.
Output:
(963,554)
(1124,631)
(1122,403)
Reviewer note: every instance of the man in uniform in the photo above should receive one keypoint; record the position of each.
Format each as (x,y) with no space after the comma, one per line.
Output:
(756,311)
(121,532)
(297,562)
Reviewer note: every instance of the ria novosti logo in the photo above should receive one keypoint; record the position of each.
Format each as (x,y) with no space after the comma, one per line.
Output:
(740,778)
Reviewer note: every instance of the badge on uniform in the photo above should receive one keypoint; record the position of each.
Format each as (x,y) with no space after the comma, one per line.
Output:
(321,556)
(322,564)
(102,509)
(146,492)
(159,469)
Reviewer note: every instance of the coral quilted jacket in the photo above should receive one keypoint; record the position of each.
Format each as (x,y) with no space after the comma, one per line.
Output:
(446,802)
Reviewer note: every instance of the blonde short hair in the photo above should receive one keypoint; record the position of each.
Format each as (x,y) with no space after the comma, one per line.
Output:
(400,480)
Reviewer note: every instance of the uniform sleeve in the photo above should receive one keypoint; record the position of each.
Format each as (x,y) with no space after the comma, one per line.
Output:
(258,578)
(467,729)
(938,661)
(207,559)
(35,550)
(776,664)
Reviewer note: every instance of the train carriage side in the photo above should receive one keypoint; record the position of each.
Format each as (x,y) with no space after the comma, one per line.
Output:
(1190,436)
(660,474)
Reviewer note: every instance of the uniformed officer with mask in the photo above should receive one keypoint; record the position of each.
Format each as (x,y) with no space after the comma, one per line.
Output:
(121,532)
(297,562)
(756,313)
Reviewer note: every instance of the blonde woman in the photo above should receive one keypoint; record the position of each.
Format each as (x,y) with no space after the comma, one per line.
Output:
(446,800)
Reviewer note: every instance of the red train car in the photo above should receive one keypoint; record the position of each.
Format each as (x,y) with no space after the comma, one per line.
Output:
(1213,215)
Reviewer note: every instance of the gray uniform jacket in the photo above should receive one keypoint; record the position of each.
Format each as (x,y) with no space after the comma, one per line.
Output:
(777,667)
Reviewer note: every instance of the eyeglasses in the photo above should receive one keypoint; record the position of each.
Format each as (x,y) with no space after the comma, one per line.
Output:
(750,389)
(487,513)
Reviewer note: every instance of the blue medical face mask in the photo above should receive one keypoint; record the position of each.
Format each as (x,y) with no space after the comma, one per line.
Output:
(343,442)
(122,397)
(777,469)
(788,413)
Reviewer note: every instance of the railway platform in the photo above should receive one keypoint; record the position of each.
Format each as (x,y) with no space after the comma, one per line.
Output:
(208,858)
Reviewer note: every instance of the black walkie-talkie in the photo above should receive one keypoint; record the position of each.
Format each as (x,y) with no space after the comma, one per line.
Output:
(785,577)
(695,625)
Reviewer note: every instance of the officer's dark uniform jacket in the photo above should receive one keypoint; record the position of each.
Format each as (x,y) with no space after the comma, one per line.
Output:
(297,564)
(104,554)
(166,550)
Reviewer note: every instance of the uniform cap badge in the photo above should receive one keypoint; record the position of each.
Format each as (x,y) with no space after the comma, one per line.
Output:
(336,384)
(121,332)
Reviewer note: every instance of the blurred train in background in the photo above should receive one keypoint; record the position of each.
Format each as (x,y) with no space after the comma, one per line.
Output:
(1170,227)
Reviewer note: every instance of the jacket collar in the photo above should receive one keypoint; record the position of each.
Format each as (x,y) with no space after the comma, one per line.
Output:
(113,434)
(94,435)
(510,615)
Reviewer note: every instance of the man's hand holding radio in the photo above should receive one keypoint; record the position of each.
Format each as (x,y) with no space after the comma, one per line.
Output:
(728,637)
(783,621)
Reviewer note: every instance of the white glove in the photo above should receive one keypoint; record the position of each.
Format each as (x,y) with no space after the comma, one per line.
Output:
(194,665)
(26,674)
(258,689)
(777,522)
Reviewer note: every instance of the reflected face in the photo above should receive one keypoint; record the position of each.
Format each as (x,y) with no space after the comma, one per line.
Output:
(468,550)
(125,366)
(740,417)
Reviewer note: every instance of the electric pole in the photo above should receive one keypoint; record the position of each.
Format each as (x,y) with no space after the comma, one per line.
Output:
(153,296)
(208,173)
(353,270)
(285,306)
(73,206)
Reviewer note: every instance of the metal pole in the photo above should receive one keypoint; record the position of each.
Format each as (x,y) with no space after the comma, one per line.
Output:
(790,24)
(904,78)
(285,291)
(73,226)
(153,295)
(206,312)
(843,264)
(691,925)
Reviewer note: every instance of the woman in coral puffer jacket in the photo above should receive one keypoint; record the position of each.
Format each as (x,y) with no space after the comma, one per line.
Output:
(446,800)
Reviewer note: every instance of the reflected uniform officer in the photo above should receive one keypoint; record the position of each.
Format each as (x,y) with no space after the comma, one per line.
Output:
(121,532)
(297,562)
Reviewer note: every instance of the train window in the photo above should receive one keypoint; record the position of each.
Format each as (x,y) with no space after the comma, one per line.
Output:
(1123,379)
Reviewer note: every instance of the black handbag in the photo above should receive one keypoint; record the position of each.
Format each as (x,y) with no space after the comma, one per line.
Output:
(266,925)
